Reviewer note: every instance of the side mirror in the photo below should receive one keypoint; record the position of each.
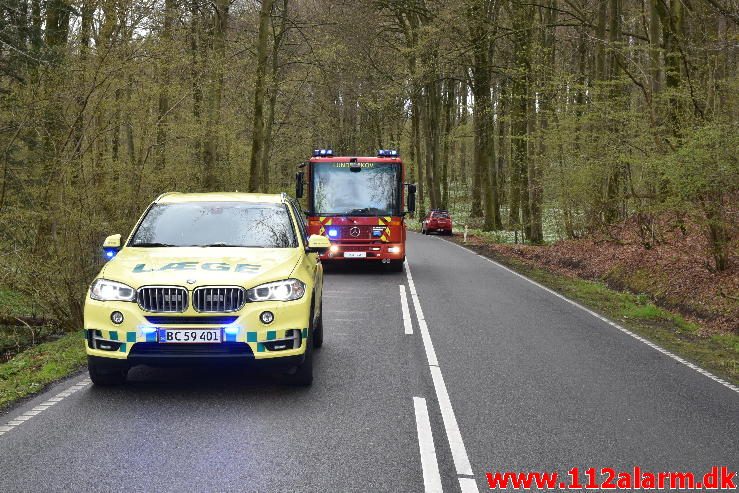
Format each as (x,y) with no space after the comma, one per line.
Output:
(298,185)
(111,246)
(411,198)
(318,244)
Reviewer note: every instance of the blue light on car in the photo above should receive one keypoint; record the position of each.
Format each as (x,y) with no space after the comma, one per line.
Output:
(377,232)
(109,253)
(333,233)
(147,329)
(232,329)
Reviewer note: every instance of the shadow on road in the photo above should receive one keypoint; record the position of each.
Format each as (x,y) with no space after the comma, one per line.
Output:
(204,382)
(358,268)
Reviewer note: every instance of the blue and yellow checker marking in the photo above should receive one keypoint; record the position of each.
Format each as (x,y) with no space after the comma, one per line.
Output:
(250,337)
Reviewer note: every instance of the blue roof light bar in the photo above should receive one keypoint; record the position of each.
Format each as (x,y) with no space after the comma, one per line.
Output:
(323,153)
(387,153)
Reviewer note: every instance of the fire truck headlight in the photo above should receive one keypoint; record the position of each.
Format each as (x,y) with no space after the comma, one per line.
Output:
(333,233)
(394,249)
(334,249)
(287,290)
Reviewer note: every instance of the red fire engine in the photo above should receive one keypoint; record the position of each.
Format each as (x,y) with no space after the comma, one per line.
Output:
(357,202)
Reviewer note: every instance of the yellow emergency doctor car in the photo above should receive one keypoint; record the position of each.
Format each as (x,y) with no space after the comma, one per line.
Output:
(208,277)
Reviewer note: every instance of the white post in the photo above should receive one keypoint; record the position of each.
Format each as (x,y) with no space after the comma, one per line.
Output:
(465,234)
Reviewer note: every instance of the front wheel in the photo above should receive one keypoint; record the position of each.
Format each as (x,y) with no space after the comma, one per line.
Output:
(318,331)
(106,374)
(302,376)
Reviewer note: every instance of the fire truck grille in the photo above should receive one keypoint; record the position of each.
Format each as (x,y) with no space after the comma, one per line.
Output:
(219,299)
(361,232)
(163,299)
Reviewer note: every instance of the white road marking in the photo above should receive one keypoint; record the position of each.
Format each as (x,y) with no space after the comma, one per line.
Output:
(456,443)
(429,464)
(613,324)
(459,453)
(19,420)
(422,327)
(468,485)
(406,311)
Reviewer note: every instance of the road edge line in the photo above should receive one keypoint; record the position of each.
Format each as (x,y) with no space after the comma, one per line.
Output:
(610,322)
(39,409)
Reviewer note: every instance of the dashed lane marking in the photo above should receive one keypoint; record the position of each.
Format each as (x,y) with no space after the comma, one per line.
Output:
(454,437)
(19,420)
(406,311)
(429,463)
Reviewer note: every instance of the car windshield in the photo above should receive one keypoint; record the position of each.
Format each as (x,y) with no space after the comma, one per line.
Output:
(370,190)
(224,224)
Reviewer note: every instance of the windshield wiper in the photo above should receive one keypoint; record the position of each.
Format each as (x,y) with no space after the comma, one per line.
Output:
(220,245)
(367,211)
(152,244)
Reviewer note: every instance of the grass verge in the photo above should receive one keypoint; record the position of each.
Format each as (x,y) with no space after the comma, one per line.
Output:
(718,353)
(32,370)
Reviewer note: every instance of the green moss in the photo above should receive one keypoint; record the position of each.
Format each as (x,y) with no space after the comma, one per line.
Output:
(32,370)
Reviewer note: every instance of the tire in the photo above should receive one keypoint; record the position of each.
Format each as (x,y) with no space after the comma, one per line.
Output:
(106,374)
(318,331)
(395,266)
(302,376)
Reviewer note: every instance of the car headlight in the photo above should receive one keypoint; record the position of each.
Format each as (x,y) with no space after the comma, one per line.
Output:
(287,290)
(105,290)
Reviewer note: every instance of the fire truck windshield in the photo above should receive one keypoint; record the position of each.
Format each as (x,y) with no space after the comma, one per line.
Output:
(364,189)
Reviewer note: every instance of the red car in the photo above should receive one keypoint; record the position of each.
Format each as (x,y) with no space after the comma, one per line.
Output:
(437,220)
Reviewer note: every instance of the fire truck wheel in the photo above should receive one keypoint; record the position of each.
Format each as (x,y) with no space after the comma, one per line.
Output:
(318,331)
(395,266)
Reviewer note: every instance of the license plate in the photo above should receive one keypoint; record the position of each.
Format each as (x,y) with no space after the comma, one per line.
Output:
(190,336)
(355,254)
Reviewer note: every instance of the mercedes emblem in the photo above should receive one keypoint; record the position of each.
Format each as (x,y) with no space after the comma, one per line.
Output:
(354,231)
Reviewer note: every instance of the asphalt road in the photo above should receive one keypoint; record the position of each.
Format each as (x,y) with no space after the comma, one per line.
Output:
(498,374)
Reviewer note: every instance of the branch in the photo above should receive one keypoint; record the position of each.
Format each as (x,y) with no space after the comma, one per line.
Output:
(723,11)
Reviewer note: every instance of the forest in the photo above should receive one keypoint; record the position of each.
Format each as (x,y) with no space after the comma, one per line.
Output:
(542,120)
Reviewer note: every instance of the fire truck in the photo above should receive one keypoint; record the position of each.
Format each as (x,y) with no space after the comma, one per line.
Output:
(359,204)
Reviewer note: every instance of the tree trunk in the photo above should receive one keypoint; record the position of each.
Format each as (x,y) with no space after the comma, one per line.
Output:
(163,107)
(449,101)
(257,143)
(463,144)
(196,65)
(279,35)
(522,18)
(211,157)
